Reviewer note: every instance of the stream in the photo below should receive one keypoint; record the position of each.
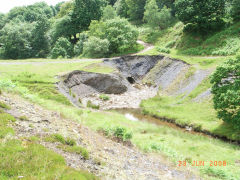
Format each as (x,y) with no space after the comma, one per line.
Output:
(137,115)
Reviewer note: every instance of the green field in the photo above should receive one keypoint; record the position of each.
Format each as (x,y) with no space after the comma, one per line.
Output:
(36,82)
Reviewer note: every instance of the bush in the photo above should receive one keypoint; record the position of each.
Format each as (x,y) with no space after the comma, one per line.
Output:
(70,142)
(63,48)
(109,13)
(78,48)
(4,106)
(163,50)
(226,91)
(96,47)
(91,105)
(119,32)
(119,132)
(122,133)
(104,97)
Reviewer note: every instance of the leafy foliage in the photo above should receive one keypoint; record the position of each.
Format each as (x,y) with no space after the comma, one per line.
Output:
(62,48)
(16,39)
(84,12)
(155,17)
(201,15)
(96,47)
(235,10)
(108,13)
(121,8)
(135,9)
(119,32)
(78,48)
(226,91)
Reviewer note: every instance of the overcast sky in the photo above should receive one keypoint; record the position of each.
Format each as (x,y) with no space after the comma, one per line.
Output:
(5,6)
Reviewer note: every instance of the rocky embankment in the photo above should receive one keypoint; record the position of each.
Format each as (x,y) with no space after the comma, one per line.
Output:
(136,78)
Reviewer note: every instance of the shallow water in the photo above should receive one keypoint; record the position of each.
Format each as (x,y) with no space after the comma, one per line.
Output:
(137,115)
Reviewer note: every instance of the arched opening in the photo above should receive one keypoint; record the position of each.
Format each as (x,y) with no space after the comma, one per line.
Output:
(130,80)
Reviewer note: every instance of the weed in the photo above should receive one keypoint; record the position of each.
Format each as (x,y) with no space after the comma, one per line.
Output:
(4,106)
(75,149)
(104,97)
(80,101)
(163,50)
(23,118)
(55,138)
(91,105)
(70,142)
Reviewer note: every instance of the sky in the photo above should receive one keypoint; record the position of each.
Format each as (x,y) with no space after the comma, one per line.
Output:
(5,6)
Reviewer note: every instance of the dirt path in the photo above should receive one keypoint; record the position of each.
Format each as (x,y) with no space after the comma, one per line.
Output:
(147,47)
(117,161)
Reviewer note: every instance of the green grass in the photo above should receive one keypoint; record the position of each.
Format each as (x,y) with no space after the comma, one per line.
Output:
(75,149)
(134,49)
(59,138)
(4,106)
(104,97)
(92,105)
(176,145)
(222,43)
(30,160)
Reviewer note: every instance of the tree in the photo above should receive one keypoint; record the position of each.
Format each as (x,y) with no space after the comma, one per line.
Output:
(62,27)
(16,39)
(156,18)
(111,2)
(78,48)
(2,20)
(235,10)
(119,32)
(40,40)
(63,48)
(204,15)
(108,13)
(84,12)
(121,8)
(30,13)
(226,91)
(96,47)
(151,14)
(65,9)
(136,9)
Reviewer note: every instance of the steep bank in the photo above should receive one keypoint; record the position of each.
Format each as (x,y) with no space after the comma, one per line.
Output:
(136,78)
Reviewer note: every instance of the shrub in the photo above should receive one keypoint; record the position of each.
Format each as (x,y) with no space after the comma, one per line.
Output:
(96,47)
(23,118)
(91,105)
(109,13)
(104,97)
(62,48)
(163,50)
(76,149)
(119,32)
(78,48)
(226,91)
(70,142)
(4,106)
(122,133)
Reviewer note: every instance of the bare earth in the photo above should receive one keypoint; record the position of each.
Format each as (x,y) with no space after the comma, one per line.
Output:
(117,161)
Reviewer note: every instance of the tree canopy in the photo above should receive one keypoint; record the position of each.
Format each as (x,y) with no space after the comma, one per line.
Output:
(226,91)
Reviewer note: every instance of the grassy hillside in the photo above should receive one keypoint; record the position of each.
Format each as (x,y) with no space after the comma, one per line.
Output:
(176,145)
(222,43)
(25,158)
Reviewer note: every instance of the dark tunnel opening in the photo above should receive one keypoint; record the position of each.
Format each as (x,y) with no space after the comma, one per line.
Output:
(130,80)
